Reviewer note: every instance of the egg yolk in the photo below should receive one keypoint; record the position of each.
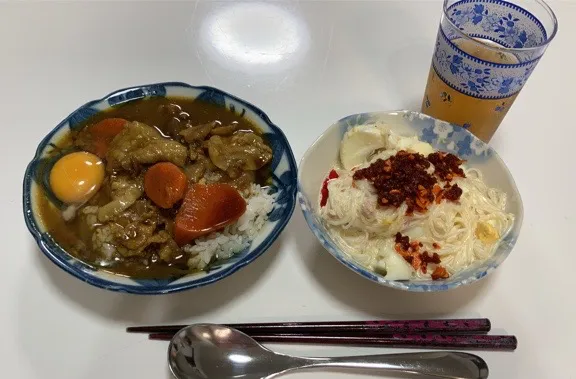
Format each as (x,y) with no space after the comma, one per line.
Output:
(76,177)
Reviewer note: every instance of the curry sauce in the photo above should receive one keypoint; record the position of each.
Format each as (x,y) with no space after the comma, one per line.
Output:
(209,144)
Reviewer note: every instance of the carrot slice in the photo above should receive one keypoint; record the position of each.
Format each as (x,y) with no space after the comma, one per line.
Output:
(207,208)
(104,132)
(165,184)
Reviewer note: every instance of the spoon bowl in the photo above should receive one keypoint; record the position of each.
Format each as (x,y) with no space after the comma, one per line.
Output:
(208,351)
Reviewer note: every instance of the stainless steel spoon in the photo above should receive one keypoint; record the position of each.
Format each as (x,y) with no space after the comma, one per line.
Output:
(208,351)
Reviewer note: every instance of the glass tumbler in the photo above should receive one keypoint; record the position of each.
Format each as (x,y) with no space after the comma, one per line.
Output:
(485,52)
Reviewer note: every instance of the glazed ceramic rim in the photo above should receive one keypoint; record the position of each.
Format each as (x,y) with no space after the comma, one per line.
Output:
(543,4)
(408,286)
(78,273)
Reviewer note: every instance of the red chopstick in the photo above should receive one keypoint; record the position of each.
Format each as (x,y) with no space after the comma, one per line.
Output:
(418,341)
(360,328)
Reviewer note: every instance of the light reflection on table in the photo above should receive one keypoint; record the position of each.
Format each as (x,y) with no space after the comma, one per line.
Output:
(233,37)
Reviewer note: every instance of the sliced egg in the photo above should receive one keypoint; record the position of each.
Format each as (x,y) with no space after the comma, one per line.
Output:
(391,263)
(360,142)
(422,148)
(486,233)
(399,142)
(76,177)
(411,144)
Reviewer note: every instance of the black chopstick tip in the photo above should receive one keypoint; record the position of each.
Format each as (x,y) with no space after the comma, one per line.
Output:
(448,326)
(160,336)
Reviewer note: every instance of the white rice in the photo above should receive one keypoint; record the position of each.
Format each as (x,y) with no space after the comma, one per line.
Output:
(236,237)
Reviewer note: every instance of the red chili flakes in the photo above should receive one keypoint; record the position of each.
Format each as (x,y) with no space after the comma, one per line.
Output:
(324,191)
(436,246)
(427,258)
(404,241)
(410,251)
(452,193)
(404,178)
(446,165)
(440,273)
(401,178)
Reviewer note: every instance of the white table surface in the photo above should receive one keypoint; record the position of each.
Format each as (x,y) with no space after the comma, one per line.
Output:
(322,61)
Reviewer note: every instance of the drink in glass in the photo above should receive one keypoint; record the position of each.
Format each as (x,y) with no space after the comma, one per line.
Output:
(485,51)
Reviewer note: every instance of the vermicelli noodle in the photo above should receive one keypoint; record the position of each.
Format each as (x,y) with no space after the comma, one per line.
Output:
(461,232)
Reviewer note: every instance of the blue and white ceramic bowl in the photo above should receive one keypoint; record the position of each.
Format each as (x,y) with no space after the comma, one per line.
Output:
(324,154)
(283,176)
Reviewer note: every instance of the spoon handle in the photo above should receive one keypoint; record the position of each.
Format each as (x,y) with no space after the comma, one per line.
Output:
(450,365)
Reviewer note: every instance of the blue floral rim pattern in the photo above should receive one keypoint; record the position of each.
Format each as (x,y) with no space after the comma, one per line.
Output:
(442,136)
(283,184)
(491,20)
(500,21)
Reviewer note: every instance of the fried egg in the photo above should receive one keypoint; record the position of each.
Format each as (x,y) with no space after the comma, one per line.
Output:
(76,177)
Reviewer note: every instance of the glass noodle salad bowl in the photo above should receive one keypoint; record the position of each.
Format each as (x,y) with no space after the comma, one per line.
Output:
(281,183)
(321,157)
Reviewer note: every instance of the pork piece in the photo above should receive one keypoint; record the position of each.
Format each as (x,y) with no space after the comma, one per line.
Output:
(195,171)
(162,150)
(225,130)
(243,151)
(169,250)
(131,232)
(177,120)
(139,144)
(199,132)
(194,152)
(124,191)
(244,181)
(173,127)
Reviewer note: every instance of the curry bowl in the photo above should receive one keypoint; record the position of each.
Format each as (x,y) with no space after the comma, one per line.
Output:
(324,155)
(280,185)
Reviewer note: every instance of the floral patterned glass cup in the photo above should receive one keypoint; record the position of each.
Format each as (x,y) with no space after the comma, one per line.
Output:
(485,51)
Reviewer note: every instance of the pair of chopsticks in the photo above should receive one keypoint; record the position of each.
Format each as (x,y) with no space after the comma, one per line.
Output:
(422,334)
